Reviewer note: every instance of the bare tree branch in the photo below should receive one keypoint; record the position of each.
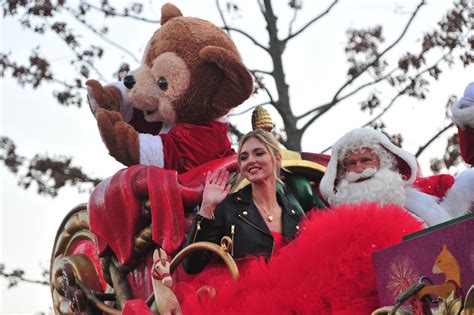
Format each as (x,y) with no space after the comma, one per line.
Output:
(102,36)
(290,36)
(65,84)
(327,149)
(235,131)
(73,48)
(250,37)
(400,93)
(221,14)
(17,276)
(262,86)
(392,101)
(363,86)
(324,108)
(49,174)
(293,19)
(99,74)
(261,71)
(358,89)
(433,138)
(405,29)
(249,109)
(261,6)
(113,13)
(272,101)
(283,105)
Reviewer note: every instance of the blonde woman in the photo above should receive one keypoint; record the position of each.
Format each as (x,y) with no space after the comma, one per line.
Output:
(259,219)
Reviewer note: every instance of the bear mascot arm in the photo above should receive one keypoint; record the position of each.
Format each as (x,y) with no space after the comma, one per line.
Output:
(114,97)
(169,112)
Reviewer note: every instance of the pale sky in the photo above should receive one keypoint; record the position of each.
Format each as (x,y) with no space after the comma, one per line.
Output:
(315,66)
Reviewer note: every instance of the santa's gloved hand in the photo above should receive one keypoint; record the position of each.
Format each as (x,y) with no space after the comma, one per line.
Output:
(463,109)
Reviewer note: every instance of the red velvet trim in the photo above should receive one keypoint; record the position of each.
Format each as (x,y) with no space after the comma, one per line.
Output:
(167,213)
(187,146)
(193,181)
(115,214)
(436,185)
(115,209)
(198,174)
(89,248)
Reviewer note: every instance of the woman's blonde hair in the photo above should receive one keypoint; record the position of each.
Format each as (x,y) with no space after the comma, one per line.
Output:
(270,143)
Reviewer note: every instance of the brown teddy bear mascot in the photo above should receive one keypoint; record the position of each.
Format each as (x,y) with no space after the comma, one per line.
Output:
(170,111)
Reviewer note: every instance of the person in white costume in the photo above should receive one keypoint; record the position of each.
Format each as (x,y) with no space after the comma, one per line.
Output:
(366,167)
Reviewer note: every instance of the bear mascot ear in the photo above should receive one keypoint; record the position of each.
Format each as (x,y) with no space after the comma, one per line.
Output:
(169,11)
(237,85)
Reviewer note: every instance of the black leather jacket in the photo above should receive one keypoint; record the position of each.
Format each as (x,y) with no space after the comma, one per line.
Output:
(238,218)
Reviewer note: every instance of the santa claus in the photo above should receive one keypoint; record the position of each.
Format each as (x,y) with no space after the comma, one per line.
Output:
(366,166)
(463,117)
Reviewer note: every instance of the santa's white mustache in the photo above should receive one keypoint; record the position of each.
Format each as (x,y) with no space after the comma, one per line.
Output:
(353,176)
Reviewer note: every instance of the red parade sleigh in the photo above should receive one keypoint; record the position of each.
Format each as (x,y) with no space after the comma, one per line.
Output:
(102,253)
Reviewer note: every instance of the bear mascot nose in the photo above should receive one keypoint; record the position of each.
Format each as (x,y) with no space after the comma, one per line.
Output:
(129,81)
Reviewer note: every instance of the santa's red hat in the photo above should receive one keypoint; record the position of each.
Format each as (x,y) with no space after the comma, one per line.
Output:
(366,138)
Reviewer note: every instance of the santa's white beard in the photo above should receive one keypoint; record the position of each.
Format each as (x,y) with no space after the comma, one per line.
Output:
(384,187)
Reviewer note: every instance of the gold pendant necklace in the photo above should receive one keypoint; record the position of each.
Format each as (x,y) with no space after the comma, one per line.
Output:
(268,213)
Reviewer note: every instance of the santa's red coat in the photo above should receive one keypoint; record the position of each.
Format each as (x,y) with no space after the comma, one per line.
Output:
(466,144)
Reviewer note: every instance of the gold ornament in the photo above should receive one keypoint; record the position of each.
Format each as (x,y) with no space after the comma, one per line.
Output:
(261,119)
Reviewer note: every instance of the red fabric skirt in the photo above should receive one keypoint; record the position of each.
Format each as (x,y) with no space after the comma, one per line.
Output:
(327,269)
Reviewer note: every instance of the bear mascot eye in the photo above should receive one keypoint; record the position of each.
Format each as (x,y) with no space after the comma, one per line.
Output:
(163,83)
